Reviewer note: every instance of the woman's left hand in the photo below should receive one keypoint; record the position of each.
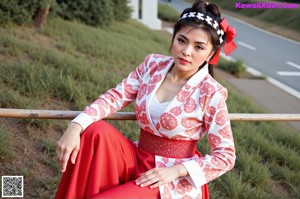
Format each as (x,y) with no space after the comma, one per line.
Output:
(161,175)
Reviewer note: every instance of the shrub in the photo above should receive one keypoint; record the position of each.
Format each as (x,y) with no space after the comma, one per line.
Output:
(121,10)
(167,13)
(91,12)
(18,11)
(234,67)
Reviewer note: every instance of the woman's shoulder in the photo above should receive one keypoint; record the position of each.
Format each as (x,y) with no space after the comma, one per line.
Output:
(213,86)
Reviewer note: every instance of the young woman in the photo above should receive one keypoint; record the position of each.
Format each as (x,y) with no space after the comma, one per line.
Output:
(177,101)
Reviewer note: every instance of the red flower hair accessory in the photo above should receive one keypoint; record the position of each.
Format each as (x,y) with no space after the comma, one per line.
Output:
(229,45)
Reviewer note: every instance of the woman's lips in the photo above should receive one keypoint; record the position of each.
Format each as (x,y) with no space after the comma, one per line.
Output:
(183,61)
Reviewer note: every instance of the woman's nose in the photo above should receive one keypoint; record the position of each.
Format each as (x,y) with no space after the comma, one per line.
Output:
(187,50)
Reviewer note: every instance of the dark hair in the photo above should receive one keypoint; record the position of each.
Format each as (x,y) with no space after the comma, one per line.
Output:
(207,9)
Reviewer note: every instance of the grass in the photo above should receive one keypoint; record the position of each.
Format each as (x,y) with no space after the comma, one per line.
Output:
(67,65)
(6,152)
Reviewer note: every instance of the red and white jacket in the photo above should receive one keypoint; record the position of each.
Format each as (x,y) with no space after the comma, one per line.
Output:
(197,109)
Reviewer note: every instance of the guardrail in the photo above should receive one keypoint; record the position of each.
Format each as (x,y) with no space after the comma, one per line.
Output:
(62,114)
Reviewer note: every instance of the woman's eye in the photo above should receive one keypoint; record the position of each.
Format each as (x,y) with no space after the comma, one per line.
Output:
(181,41)
(198,48)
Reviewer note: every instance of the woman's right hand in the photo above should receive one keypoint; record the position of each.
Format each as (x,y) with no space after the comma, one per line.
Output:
(68,145)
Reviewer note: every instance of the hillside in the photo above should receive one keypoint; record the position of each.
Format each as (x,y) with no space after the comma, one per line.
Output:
(67,65)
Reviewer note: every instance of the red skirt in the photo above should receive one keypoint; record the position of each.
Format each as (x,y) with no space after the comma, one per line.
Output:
(106,167)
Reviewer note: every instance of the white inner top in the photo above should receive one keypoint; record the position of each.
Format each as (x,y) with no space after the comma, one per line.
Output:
(156,109)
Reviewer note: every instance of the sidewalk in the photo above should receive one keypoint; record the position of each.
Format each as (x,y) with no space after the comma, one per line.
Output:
(264,95)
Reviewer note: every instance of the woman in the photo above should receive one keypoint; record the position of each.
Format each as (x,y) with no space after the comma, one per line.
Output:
(177,101)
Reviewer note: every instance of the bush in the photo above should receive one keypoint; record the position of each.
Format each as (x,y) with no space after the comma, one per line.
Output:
(167,13)
(121,10)
(234,67)
(18,11)
(91,12)
(94,12)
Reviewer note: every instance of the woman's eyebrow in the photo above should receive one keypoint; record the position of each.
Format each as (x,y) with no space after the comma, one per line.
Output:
(198,42)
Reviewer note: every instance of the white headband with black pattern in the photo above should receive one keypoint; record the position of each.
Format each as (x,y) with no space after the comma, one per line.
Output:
(209,20)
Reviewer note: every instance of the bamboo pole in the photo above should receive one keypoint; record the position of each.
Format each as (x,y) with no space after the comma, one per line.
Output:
(61,114)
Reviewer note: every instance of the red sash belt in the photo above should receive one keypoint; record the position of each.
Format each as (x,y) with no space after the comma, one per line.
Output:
(166,147)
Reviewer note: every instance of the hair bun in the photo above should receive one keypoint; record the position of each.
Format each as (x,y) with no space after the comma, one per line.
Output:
(204,7)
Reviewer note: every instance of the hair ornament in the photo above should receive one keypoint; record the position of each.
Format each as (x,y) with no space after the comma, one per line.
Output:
(229,46)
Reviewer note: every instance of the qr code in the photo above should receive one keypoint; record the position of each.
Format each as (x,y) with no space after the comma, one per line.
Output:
(12,186)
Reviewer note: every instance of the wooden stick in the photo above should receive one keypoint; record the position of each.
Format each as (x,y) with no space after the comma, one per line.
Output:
(60,114)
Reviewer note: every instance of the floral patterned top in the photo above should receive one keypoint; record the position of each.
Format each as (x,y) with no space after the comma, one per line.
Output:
(197,109)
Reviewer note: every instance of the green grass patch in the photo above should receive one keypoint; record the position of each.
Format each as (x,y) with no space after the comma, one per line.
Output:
(234,67)
(6,152)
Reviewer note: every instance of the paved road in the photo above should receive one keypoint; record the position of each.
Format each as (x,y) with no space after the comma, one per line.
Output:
(271,55)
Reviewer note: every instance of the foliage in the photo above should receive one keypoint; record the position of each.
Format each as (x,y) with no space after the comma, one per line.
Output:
(94,12)
(167,13)
(17,11)
(121,10)
(234,67)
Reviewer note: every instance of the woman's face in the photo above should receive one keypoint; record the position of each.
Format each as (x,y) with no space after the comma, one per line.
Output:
(190,48)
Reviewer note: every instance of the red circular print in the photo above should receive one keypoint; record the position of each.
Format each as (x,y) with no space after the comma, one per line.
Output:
(187,87)
(210,174)
(223,93)
(214,140)
(143,106)
(193,131)
(203,101)
(216,161)
(190,105)
(207,118)
(102,111)
(155,79)
(142,91)
(143,119)
(129,92)
(133,75)
(150,88)
(163,64)
(221,117)
(211,110)
(171,184)
(207,89)
(101,103)
(141,69)
(90,111)
(168,121)
(112,109)
(226,132)
(189,122)
(183,186)
(221,104)
(182,95)
(176,110)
